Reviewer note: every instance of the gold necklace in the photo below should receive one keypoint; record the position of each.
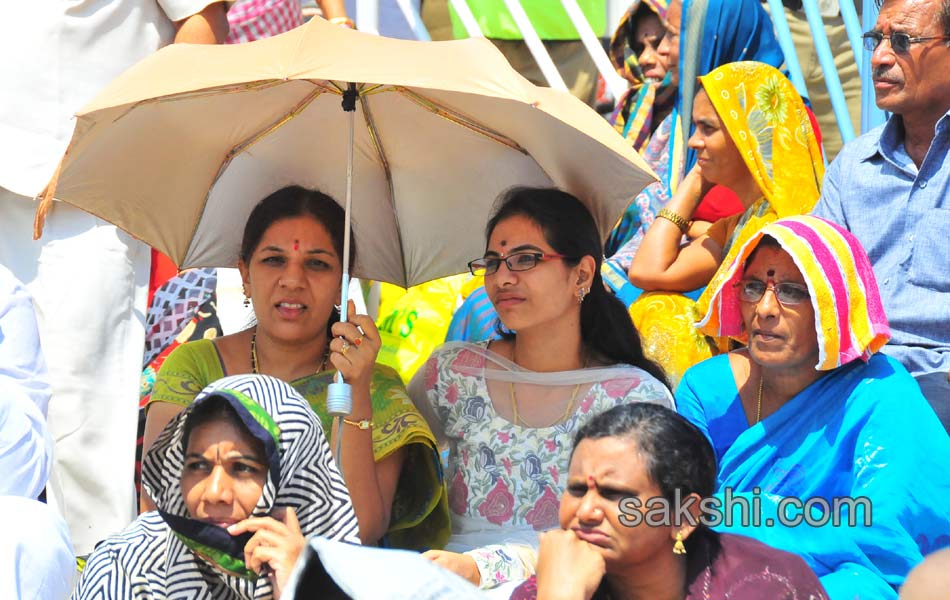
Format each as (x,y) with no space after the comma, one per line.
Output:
(323,364)
(514,407)
(514,399)
(758,402)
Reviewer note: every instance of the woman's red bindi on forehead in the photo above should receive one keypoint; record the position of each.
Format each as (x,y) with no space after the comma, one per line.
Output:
(296,244)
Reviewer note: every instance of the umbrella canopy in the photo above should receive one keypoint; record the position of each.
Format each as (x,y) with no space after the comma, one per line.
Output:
(179,149)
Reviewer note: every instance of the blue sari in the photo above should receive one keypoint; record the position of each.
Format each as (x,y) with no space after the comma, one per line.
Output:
(861,430)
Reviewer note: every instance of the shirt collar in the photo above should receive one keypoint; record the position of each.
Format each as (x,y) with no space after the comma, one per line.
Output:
(891,141)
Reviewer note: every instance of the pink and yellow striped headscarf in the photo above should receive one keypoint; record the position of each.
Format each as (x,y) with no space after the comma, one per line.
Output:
(849,315)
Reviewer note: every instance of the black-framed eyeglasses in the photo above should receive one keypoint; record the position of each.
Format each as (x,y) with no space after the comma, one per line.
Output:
(518,261)
(900,42)
(752,290)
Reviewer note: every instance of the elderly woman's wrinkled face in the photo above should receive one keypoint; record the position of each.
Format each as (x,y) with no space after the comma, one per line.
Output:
(648,33)
(224,473)
(781,336)
(603,473)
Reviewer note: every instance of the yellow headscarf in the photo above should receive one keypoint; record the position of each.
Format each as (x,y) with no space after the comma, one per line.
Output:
(769,124)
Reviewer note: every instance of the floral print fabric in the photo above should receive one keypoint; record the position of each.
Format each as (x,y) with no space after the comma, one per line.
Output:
(506,475)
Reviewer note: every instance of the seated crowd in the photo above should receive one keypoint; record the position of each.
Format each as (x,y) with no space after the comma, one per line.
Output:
(743,400)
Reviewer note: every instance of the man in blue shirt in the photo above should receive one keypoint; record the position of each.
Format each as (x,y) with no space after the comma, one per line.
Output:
(891,188)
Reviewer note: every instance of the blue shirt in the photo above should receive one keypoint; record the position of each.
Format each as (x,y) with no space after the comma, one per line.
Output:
(901,215)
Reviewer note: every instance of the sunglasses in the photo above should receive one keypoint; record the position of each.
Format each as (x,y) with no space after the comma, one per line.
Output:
(900,42)
(752,290)
(519,261)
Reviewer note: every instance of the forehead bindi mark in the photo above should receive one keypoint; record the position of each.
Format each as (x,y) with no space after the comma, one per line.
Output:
(296,244)
(770,273)
(590,482)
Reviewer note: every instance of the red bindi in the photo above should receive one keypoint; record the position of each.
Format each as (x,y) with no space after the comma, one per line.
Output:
(590,481)
(296,245)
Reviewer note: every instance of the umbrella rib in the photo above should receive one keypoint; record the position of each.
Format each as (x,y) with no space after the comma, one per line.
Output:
(251,140)
(215,91)
(459,119)
(378,144)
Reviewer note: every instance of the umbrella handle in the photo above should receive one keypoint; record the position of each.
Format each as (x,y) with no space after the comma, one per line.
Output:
(339,393)
(339,399)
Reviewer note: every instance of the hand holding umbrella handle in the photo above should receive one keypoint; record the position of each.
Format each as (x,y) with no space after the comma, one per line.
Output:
(340,393)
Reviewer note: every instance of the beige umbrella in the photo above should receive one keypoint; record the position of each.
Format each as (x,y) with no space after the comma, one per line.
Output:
(179,149)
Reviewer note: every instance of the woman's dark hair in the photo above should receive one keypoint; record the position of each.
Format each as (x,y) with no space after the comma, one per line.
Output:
(295,201)
(766,241)
(675,452)
(606,328)
(287,203)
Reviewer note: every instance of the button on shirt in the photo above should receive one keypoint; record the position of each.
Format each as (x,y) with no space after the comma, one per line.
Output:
(902,217)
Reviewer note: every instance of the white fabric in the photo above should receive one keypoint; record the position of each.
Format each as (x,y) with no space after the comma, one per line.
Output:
(21,358)
(36,559)
(89,282)
(67,52)
(26,447)
(396,574)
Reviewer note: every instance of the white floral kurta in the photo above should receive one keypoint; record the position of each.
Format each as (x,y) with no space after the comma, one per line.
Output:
(504,474)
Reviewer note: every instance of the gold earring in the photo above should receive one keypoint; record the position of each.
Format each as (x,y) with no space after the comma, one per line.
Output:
(678,547)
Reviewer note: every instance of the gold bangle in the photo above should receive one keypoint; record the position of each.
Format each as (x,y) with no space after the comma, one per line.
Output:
(363,424)
(345,21)
(674,218)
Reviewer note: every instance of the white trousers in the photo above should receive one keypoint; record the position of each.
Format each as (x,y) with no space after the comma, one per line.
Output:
(89,283)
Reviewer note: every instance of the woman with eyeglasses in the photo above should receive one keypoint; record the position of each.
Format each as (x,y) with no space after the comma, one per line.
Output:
(507,409)
(807,413)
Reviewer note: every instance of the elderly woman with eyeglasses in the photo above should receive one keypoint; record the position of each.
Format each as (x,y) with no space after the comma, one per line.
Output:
(507,409)
(807,414)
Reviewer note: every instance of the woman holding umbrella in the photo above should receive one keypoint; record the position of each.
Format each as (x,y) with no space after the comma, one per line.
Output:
(290,261)
(507,409)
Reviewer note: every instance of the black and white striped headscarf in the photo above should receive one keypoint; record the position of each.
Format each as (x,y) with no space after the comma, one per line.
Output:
(155,557)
